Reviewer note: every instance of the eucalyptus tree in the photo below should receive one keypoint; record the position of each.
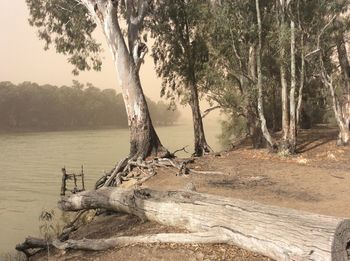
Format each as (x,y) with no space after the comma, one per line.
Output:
(231,74)
(68,25)
(180,55)
(334,75)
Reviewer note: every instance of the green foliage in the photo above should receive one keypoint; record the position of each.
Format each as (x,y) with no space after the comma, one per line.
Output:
(180,50)
(232,129)
(68,27)
(46,107)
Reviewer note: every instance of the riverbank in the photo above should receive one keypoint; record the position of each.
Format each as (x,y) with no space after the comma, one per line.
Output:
(315,180)
(31,168)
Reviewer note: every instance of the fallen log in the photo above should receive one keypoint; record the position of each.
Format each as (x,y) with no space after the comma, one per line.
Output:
(279,233)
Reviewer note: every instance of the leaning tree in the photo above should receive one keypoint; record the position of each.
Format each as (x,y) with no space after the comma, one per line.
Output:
(68,26)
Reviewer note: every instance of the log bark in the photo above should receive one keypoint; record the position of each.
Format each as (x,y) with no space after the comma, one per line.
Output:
(279,233)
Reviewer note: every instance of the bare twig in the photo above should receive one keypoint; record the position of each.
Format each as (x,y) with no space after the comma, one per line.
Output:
(207,111)
(178,150)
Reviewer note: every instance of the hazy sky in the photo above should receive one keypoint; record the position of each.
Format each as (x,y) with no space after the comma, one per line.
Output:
(22,57)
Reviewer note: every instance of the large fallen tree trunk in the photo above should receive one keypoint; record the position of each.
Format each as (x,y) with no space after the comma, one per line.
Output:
(279,233)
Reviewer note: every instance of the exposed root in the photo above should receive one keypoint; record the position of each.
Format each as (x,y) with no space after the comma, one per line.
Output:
(203,149)
(125,170)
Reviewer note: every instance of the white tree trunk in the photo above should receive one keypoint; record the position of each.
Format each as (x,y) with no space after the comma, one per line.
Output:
(264,128)
(144,140)
(302,79)
(279,233)
(293,82)
(283,75)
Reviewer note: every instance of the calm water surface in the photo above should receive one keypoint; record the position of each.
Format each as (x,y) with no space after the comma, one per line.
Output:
(30,164)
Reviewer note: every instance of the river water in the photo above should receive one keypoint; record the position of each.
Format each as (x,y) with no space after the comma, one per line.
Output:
(30,169)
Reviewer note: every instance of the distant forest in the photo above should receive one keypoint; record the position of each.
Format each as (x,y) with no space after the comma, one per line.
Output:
(29,106)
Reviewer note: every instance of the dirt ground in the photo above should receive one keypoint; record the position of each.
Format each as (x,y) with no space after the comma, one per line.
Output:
(316,179)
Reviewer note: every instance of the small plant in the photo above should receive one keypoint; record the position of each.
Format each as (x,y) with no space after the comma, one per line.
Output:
(284,153)
(49,227)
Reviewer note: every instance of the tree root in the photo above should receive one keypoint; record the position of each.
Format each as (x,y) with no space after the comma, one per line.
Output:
(123,170)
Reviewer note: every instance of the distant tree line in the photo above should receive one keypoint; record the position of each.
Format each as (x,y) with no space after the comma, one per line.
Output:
(46,107)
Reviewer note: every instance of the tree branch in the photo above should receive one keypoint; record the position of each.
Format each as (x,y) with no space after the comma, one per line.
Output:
(207,111)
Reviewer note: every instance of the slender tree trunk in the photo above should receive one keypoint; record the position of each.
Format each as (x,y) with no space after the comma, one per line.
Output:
(274,109)
(143,139)
(344,134)
(264,128)
(284,85)
(251,109)
(345,68)
(302,80)
(200,144)
(292,120)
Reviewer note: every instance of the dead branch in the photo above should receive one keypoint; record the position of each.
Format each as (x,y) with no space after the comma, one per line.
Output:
(178,150)
(207,111)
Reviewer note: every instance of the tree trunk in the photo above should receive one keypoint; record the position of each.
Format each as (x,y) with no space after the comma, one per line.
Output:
(279,233)
(143,139)
(345,68)
(251,110)
(292,120)
(201,146)
(302,79)
(254,128)
(344,134)
(284,85)
(264,128)
(275,125)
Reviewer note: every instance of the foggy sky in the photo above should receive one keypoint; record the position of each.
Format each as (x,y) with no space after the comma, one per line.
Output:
(22,57)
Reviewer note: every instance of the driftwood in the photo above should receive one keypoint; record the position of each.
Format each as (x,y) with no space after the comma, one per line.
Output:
(73,176)
(279,233)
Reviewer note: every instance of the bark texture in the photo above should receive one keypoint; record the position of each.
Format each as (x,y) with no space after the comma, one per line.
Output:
(345,69)
(279,233)
(201,146)
(293,83)
(264,128)
(283,76)
(143,140)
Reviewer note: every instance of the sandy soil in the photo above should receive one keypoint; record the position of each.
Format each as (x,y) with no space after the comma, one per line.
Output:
(316,179)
